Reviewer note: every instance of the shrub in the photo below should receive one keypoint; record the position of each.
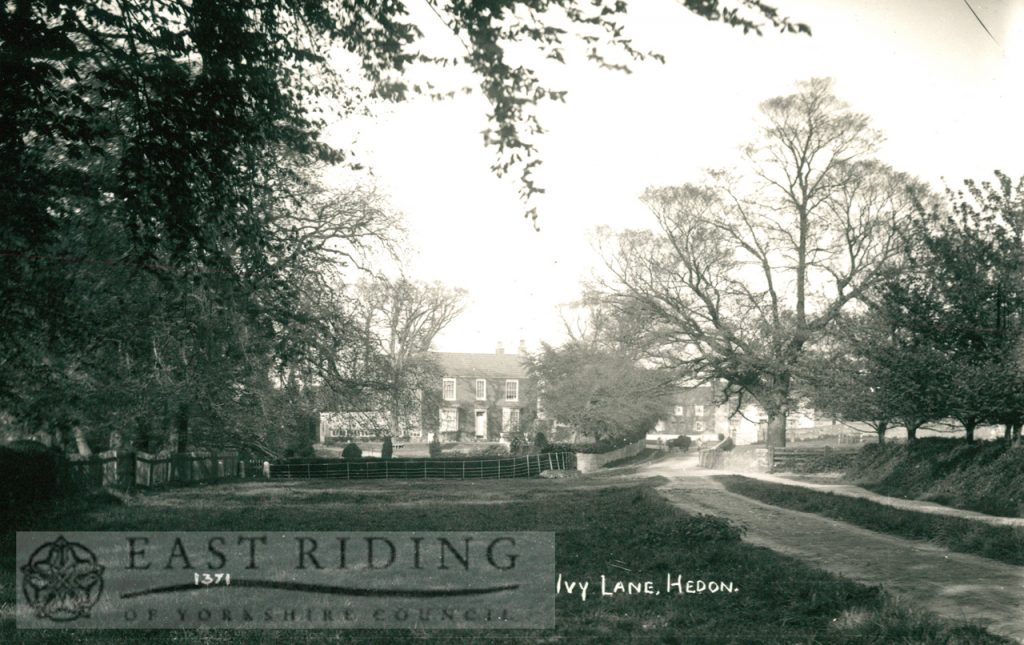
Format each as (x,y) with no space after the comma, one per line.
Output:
(352,451)
(435,448)
(32,474)
(540,440)
(682,441)
(727,444)
(387,449)
(557,447)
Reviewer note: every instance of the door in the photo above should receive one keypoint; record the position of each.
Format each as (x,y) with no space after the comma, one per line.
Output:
(481,424)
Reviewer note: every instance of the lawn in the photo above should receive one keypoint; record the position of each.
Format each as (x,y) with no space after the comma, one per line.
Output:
(1002,543)
(600,530)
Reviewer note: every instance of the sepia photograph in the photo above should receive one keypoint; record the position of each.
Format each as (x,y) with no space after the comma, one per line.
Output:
(512,321)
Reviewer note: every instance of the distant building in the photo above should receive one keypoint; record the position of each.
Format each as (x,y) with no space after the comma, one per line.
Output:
(486,397)
(359,424)
(697,412)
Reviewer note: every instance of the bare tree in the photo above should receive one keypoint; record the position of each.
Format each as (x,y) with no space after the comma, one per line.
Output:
(748,269)
(404,317)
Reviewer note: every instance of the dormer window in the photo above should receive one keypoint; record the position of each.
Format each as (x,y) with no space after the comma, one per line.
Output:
(448,389)
(512,390)
(481,389)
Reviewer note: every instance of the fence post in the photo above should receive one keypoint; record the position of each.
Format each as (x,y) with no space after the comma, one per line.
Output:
(386,476)
(424,469)
(499,468)
(481,469)
(348,471)
(463,468)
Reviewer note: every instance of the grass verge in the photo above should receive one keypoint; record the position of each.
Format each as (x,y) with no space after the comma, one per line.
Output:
(984,476)
(600,531)
(1002,543)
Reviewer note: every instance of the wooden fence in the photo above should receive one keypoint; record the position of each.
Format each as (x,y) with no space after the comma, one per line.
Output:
(124,469)
(525,466)
(795,458)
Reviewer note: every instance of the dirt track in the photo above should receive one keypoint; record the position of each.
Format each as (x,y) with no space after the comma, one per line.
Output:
(953,585)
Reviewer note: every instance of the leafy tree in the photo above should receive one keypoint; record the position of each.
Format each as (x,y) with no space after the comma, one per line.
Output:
(961,294)
(602,393)
(152,154)
(749,269)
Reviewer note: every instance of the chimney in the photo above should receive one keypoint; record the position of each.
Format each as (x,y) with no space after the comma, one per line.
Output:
(522,347)
(500,350)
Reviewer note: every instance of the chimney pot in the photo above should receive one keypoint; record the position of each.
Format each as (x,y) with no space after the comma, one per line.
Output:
(522,347)
(500,350)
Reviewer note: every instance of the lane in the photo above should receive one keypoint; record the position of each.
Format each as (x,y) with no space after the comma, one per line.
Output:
(953,585)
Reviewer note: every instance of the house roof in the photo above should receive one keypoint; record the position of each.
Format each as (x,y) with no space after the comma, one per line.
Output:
(455,364)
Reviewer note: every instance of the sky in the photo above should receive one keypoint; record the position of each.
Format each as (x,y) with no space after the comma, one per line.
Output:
(945,94)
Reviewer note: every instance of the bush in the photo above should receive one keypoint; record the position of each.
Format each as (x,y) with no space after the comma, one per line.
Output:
(352,451)
(387,449)
(727,444)
(557,447)
(683,442)
(540,440)
(32,475)
(435,449)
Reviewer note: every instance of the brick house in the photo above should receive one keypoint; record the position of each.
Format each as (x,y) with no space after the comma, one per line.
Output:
(486,397)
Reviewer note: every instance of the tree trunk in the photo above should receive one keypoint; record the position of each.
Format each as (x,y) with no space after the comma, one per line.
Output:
(1015,433)
(179,439)
(81,442)
(1007,428)
(969,426)
(776,435)
(912,432)
(880,430)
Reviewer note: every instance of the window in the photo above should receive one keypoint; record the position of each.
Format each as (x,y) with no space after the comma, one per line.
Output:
(481,389)
(512,390)
(678,411)
(698,426)
(449,420)
(510,419)
(449,389)
(698,410)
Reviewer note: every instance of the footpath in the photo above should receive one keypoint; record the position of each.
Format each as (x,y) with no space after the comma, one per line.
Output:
(850,490)
(953,585)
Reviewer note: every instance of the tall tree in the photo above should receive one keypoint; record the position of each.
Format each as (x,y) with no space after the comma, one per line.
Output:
(748,270)
(404,317)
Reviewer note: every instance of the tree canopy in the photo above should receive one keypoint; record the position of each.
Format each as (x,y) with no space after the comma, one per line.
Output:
(599,391)
(165,253)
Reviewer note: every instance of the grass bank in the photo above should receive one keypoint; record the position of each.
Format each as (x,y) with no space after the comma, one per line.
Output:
(985,476)
(600,531)
(1002,543)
